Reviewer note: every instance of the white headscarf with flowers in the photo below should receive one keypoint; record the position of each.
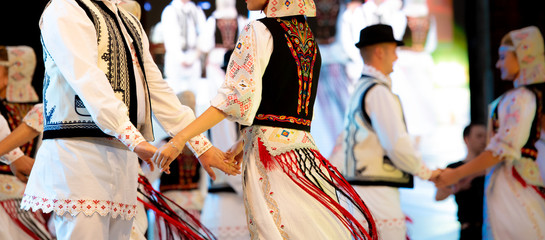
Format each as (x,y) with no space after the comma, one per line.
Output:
(530,52)
(21,63)
(282,8)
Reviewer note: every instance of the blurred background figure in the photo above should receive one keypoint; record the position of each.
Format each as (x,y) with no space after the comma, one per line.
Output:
(182,22)
(18,97)
(218,41)
(470,191)
(354,19)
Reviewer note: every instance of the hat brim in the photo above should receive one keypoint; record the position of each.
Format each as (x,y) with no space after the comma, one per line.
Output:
(360,44)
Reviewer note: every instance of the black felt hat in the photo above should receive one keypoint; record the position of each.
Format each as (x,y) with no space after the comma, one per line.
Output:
(378,33)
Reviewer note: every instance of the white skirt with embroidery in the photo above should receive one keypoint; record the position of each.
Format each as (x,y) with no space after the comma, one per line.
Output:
(83,175)
(276,207)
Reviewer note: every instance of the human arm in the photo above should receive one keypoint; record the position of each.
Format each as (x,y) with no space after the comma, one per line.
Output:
(240,94)
(516,112)
(386,117)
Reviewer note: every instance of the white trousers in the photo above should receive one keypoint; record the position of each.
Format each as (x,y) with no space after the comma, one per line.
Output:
(94,227)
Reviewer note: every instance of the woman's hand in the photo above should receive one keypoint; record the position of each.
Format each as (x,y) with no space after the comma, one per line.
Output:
(235,154)
(166,154)
(446,178)
(214,157)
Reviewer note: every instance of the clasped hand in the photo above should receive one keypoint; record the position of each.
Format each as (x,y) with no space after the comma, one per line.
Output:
(163,156)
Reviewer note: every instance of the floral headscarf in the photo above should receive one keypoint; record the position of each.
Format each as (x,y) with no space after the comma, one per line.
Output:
(21,63)
(282,8)
(528,44)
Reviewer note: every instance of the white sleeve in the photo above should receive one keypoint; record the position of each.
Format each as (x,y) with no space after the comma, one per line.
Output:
(35,118)
(14,154)
(240,95)
(70,38)
(516,113)
(386,117)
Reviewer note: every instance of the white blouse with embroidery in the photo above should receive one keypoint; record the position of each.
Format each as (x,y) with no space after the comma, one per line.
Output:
(240,95)
(516,111)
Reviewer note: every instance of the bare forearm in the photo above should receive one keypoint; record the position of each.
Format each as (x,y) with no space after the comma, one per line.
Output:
(21,135)
(478,165)
(205,121)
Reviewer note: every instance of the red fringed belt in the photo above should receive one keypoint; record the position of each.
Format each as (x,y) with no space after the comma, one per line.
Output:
(302,173)
(539,190)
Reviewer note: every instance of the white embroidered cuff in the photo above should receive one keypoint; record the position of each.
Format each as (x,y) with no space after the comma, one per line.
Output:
(130,136)
(199,144)
(424,172)
(12,156)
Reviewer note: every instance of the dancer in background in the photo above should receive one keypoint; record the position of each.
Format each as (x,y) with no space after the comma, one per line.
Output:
(379,156)
(514,159)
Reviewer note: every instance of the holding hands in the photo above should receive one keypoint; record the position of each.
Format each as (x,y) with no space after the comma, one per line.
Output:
(213,157)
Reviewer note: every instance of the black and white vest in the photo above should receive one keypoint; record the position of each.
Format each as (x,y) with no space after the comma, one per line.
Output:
(361,166)
(64,112)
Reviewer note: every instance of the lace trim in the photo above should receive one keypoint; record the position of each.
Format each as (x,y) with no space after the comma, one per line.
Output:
(74,207)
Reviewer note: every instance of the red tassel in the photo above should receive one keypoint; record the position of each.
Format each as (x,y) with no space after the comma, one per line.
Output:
(288,163)
(192,232)
(265,156)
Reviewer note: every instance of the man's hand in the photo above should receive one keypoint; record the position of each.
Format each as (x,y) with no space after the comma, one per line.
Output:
(145,151)
(21,168)
(214,157)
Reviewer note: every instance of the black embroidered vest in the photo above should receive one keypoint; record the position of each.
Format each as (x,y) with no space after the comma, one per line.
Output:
(290,80)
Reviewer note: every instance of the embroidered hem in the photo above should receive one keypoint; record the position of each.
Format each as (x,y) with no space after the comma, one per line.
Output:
(74,207)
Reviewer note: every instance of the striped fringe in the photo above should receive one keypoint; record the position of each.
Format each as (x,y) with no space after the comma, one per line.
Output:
(186,226)
(32,223)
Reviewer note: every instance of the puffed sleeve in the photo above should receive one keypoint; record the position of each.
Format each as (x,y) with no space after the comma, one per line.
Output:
(516,113)
(35,118)
(13,154)
(240,95)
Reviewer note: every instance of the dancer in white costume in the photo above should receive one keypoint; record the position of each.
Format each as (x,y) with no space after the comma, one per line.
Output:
(182,23)
(514,157)
(100,87)
(379,156)
(290,189)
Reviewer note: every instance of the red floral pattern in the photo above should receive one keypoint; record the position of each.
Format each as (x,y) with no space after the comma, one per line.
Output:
(76,206)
